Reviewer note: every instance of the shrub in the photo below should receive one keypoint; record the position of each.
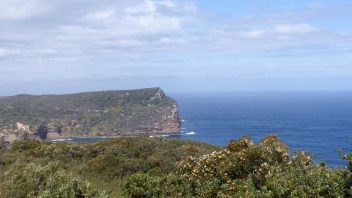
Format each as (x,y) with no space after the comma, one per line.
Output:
(142,185)
(106,164)
(348,173)
(48,181)
(245,169)
(155,167)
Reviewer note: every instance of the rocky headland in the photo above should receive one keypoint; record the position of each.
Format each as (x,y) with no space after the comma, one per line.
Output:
(141,112)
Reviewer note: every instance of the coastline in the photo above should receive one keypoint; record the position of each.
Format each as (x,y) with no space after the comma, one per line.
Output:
(98,137)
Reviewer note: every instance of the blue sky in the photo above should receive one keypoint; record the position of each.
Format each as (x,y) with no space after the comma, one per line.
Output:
(182,46)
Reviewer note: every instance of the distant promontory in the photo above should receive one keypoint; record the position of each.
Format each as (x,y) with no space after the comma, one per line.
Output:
(140,112)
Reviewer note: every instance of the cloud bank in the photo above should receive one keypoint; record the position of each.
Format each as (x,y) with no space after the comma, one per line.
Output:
(138,43)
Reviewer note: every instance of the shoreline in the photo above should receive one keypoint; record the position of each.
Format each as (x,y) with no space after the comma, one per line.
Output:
(70,138)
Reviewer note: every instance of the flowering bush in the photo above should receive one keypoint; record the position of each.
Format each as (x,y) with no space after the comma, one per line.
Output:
(240,160)
(246,169)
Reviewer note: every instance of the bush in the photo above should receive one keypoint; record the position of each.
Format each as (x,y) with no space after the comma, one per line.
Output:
(48,181)
(245,169)
(155,167)
(142,185)
(106,164)
(348,173)
(311,181)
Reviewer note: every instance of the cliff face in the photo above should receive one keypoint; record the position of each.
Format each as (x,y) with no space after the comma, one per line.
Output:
(107,113)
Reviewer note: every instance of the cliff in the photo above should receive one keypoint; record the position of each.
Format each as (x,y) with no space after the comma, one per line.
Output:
(107,113)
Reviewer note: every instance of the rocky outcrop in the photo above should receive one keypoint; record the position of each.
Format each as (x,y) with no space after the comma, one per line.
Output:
(18,131)
(108,113)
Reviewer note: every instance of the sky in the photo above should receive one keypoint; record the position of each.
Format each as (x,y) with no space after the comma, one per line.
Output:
(66,46)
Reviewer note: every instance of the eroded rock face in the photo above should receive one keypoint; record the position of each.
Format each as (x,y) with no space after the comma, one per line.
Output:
(22,127)
(19,131)
(108,113)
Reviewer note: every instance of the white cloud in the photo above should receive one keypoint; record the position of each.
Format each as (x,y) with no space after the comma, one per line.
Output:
(254,33)
(146,7)
(19,9)
(279,30)
(8,52)
(166,3)
(100,15)
(2,52)
(114,37)
(136,20)
(301,28)
(89,27)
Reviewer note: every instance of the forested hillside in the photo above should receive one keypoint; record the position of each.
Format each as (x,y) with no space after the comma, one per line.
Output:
(106,113)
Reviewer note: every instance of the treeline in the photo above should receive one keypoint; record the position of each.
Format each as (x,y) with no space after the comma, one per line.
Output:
(155,167)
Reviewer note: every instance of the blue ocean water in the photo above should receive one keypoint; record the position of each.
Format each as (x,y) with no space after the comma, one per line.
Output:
(320,123)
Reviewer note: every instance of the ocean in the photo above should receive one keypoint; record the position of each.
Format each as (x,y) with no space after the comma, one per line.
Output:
(316,122)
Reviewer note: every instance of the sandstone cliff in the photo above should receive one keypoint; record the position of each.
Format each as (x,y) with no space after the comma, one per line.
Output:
(108,113)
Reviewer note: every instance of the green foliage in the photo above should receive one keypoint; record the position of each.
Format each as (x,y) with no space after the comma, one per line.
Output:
(310,181)
(104,164)
(156,167)
(142,185)
(348,174)
(22,146)
(48,181)
(86,113)
(245,169)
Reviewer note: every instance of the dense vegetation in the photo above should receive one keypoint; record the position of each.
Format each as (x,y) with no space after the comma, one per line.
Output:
(44,169)
(155,167)
(245,169)
(89,113)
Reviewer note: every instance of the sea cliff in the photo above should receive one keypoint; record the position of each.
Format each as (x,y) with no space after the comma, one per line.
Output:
(140,112)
